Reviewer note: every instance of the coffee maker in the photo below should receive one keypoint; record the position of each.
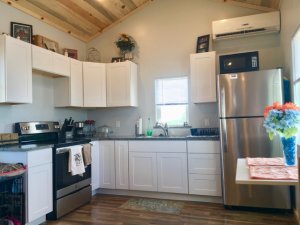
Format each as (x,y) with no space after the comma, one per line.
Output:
(78,130)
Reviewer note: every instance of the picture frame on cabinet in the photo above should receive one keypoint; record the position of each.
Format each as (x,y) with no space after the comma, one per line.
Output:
(72,53)
(202,44)
(117,59)
(21,31)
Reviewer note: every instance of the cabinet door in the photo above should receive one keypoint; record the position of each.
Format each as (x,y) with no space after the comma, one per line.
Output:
(203,77)
(95,165)
(205,184)
(172,172)
(121,159)
(94,84)
(61,64)
(203,147)
(42,59)
(121,84)
(204,163)
(142,171)
(76,83)
(18,71)
(39,191)
(107,165)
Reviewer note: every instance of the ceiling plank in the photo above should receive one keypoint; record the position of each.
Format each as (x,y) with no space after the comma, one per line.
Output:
(249,6)
(84,15)
(138,2)
(40,14)
(64,14)
(97,5)
(129,4)
(91,10)
(115,7)
(146,2)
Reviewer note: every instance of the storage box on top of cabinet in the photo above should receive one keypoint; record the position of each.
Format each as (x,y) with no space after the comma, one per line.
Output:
(15,71)
(121,84)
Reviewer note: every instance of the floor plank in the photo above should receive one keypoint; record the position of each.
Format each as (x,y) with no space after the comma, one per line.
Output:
(105,210)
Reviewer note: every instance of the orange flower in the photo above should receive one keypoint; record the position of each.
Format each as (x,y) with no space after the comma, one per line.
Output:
(277,106)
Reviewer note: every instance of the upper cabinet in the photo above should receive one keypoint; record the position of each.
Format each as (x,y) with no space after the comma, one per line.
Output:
(15,71)
(94,84)
(121,84)
(50,62)
(203,77)
(68,91)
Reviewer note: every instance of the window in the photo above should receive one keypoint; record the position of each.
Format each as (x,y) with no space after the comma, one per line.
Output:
(296,69)
(171,101)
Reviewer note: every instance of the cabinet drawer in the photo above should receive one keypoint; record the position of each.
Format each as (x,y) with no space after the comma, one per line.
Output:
(205,185)
(157,146)
(39,157)
(203,146)
(204,163)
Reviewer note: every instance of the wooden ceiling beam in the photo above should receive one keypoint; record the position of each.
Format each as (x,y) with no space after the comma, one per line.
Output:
(98,6)
(36,12)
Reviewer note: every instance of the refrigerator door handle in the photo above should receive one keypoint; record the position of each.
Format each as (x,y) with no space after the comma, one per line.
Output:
(223,138)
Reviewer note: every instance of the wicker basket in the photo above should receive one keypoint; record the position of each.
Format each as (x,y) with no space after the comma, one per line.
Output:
(45,43)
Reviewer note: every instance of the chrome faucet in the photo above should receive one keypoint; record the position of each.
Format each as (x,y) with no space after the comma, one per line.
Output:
(163,127)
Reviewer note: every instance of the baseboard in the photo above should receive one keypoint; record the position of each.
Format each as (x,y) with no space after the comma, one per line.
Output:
(296,213)
(160,195)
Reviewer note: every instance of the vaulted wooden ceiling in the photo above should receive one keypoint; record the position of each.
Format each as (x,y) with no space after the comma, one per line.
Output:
(87,19)
(83,19)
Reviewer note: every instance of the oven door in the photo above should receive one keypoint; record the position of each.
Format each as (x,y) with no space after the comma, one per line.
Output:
(64,178)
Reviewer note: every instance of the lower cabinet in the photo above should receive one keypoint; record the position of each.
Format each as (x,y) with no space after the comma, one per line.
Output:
(172,172)
(142,171)
(205,184)
(121,162)
(95,165)
(107,164)
(39,180)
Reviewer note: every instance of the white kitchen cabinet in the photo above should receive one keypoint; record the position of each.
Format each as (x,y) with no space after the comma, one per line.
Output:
(68,91)
(107,164)
(172,172)
(95,148)
(142,171)
(94,84)
(121,84)
(121,162)
(50,62)
(15,71)
(204,163)
(158,166)
(39,178)
(203,77)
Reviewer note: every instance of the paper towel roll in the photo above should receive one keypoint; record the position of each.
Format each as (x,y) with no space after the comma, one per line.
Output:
(140,125)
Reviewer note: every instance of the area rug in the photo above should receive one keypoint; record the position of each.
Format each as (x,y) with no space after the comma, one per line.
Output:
(154,205)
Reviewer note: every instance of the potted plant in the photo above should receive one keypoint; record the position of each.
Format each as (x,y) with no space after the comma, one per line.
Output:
(284,120)
(125,43)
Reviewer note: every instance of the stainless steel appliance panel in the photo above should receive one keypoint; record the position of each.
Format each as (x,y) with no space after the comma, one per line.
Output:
(247,94)
(246,137)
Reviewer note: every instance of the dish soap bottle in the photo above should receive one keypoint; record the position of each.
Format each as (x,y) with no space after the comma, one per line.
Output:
(149,129)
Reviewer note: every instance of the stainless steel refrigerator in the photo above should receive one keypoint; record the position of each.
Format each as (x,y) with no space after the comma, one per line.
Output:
(242,99)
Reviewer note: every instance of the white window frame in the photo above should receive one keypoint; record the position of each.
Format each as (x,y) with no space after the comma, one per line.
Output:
(187,103)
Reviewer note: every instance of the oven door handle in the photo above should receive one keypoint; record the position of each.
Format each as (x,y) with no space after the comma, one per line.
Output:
(62,150)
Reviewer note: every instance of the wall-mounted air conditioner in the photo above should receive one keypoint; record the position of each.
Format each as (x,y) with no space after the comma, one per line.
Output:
(247,25)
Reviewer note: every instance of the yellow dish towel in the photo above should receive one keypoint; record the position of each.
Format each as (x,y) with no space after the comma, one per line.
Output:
(87,154)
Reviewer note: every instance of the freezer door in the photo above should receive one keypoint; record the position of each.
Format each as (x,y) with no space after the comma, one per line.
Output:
(247,94)
(241,138)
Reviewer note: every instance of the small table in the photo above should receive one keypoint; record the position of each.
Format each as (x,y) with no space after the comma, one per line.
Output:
(242,177)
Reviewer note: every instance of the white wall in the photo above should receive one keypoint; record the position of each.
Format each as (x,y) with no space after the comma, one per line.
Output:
(166,32)
(42,107)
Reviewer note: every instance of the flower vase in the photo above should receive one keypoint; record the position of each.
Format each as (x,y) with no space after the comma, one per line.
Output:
(289,147)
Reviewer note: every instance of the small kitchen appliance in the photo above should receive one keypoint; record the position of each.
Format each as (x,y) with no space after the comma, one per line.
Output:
(78,130)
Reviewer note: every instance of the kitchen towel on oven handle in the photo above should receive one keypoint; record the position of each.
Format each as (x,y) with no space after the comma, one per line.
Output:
(87,154)
(76,164)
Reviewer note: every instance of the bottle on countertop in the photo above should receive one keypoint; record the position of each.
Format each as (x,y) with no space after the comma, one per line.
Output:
(149,128)
(139,127)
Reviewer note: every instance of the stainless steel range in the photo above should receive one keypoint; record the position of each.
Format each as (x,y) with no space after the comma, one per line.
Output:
(69,192)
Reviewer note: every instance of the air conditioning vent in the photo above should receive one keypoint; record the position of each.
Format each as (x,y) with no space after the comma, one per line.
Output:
(256,24)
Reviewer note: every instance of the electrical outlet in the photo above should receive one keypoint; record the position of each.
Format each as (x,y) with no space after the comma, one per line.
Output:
(118,123)
(206,122)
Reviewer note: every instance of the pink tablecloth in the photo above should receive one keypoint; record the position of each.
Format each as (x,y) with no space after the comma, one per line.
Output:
(265,161)
(274,172)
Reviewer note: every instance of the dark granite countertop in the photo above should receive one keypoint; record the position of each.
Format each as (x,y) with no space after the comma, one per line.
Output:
(159,138)
(24,148)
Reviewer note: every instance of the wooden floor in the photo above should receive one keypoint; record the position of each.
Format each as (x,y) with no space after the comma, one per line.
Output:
(104,209)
